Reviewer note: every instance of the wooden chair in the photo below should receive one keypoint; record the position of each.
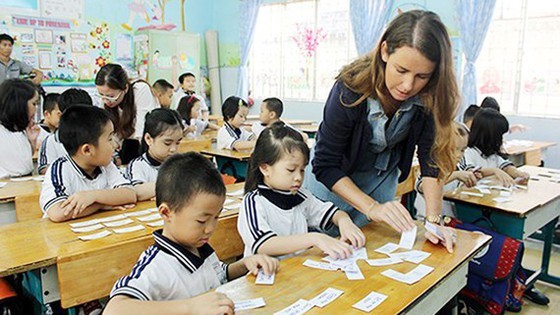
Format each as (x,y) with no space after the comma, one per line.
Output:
(27,207)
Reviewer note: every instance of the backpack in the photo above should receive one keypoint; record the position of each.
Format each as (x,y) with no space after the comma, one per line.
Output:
(495,276)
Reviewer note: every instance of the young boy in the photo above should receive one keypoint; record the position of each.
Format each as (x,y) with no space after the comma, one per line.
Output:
(51,113)
(85,180)
(187,86)
(171,276)
(51,148)
(271,110)
(232,135)
(164,92)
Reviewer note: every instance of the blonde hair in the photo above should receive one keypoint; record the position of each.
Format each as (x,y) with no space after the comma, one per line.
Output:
(424,31)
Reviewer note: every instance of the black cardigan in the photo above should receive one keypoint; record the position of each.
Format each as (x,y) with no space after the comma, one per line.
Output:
(345,133)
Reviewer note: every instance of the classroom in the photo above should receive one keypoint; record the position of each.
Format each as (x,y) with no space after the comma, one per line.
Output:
(279,157)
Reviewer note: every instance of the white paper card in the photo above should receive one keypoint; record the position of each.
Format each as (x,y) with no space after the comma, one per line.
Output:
(129,229)
(151,217)
(138,213)
(370,302)
(502,199)
(264,279)
(326,297)
(155,223)
(353,272)
(228,201)
(94,236)
(432,228)
(112,218)
(411,277)
(387,248)
(249,304)
(232,206)
(359,253)
(408,238)
(318,265)
(384,261)
(21,179)
(505,194)
(413,256)
(299,307)
(118,223)
(87,228)
(235,193)
(84,223)
(470,193)
(2,184)
(154,210)
(485,191)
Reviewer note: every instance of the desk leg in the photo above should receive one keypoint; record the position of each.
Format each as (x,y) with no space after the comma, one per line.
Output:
(547,249)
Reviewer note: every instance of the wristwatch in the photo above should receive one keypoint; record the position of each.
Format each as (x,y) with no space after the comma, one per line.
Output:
(435,219)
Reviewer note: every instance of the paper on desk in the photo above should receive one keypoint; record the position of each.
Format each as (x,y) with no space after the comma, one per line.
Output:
(410,277)
(505,194)
(112,218)
(264,279)
(232,206)
(129,229)
(360,253)
(2,184)
(353,272)
(118,223)
(484,181)
(228,201)
(154,210)
(318,265)
(21,179)
(155,223)
(370,302)
(249,304)
(39,178)
(502,199)
(413,256)
(94,236)
(483,190)
(326,297)
(384,261)
(88,228)
(138,213)
(84,223)
(430,227)
(299,307)
(387,248)
(151,217)
(235,193)
(471,193)
(408,238)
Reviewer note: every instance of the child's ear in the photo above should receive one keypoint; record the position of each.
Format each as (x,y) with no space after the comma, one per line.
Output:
(265,169)
(149,140)
(86,149)
(165,212)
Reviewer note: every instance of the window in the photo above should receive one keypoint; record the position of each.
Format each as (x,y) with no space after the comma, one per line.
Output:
(518,64)
(299,47)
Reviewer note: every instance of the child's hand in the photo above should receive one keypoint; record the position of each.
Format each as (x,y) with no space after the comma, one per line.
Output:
(349,232)
(522,178)
(77,203)
(337,249)
(210,303)
(466,177)
(268,264)
(32,132)
(503,178)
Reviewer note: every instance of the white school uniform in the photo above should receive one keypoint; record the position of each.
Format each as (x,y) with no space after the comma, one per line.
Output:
(16,153)
(267,213)
(50,150)
(145,102)
(200,126)
(143,169)
(473,158)
(179,94)
(227,136)
(65,178)
(258,127)
(166,271)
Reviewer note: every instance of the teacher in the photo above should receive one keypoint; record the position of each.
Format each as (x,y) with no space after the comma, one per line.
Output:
(128,102)
(383,106)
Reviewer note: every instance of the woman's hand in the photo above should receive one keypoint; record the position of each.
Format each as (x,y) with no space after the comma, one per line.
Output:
(466,177)
(503,178)
(445,235)
(392,213)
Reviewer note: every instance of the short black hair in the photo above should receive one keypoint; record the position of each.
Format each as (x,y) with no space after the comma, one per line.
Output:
(274,104)
(469,113)
(159,121)
(81,124)
(490,102)
(50,102)
(73,97)
(184,75)
(231,105)
(487,131)
(184,175)
(14,95)
(6,37)
(185,106)
(162,85)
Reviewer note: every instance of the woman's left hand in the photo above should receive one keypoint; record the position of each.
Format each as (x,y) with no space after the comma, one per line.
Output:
(32,132)
(448,237)
(349,232)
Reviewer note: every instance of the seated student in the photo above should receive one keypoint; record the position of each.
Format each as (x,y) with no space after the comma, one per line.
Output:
(85,180)
(484,148)
(189,109)
(51,148)
(232,135)
(490,102)
(163,132)
(276,212)
(164,92)
(172,275)
(51,114)
(271,110)
(18,132)
(468,115)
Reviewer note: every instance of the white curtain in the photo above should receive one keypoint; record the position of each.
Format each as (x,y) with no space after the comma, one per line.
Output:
(249,12)
(369,18)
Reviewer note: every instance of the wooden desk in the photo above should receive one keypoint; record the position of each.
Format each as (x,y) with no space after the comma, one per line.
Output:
(14,189)
(196,145)
(310,130)
(230,162)
(527,155)
(295,281)
(529,211)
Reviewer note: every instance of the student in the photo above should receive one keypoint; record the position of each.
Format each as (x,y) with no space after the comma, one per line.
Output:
(164,92)
(173,275)
(187,86)
(51,148)
(85,180)
(231,135)
(276,212)
(484,148)
(468,115)
(51,113)
(271,110)
(18,132)
(163,132)
(189,109)
(461,176)
(490,102)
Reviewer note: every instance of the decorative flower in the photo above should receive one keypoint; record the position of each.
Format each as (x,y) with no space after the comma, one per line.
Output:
(100,61)
(98,30)
(105,44)
(308,39)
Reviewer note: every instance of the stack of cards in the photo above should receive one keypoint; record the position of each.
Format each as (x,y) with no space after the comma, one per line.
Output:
(262,278)
(408,238)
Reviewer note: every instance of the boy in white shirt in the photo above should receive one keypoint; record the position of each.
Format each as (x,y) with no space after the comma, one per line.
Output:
(271,110)
(231,135)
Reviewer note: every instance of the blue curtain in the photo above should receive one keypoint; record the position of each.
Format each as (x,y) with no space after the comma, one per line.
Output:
(474,19)
(369,18)
(249,10)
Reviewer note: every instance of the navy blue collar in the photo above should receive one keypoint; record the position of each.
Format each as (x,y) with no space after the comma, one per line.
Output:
(282,199)
(189,260)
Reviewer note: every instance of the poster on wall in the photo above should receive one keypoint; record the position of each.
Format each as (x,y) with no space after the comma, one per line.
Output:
(124,47)
(26,37)
(45,61)
(63,9)
(43,36)
(78,42)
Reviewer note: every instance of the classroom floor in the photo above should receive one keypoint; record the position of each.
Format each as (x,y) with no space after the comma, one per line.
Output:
(532,259)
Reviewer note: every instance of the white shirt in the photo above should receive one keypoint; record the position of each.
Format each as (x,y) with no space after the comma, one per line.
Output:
(145,102)
(43,134)
(200,126)
(178,95)
(227,136)
(50,150)
(143,169)
(166,271)
(257,128)
(16,153)
(473,158)
(65,178)
(266,213)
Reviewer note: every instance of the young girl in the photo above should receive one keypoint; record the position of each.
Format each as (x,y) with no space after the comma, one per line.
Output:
(163,132)
(189,109)
(484,148)
(232,136)
(276,212)
(18,131)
